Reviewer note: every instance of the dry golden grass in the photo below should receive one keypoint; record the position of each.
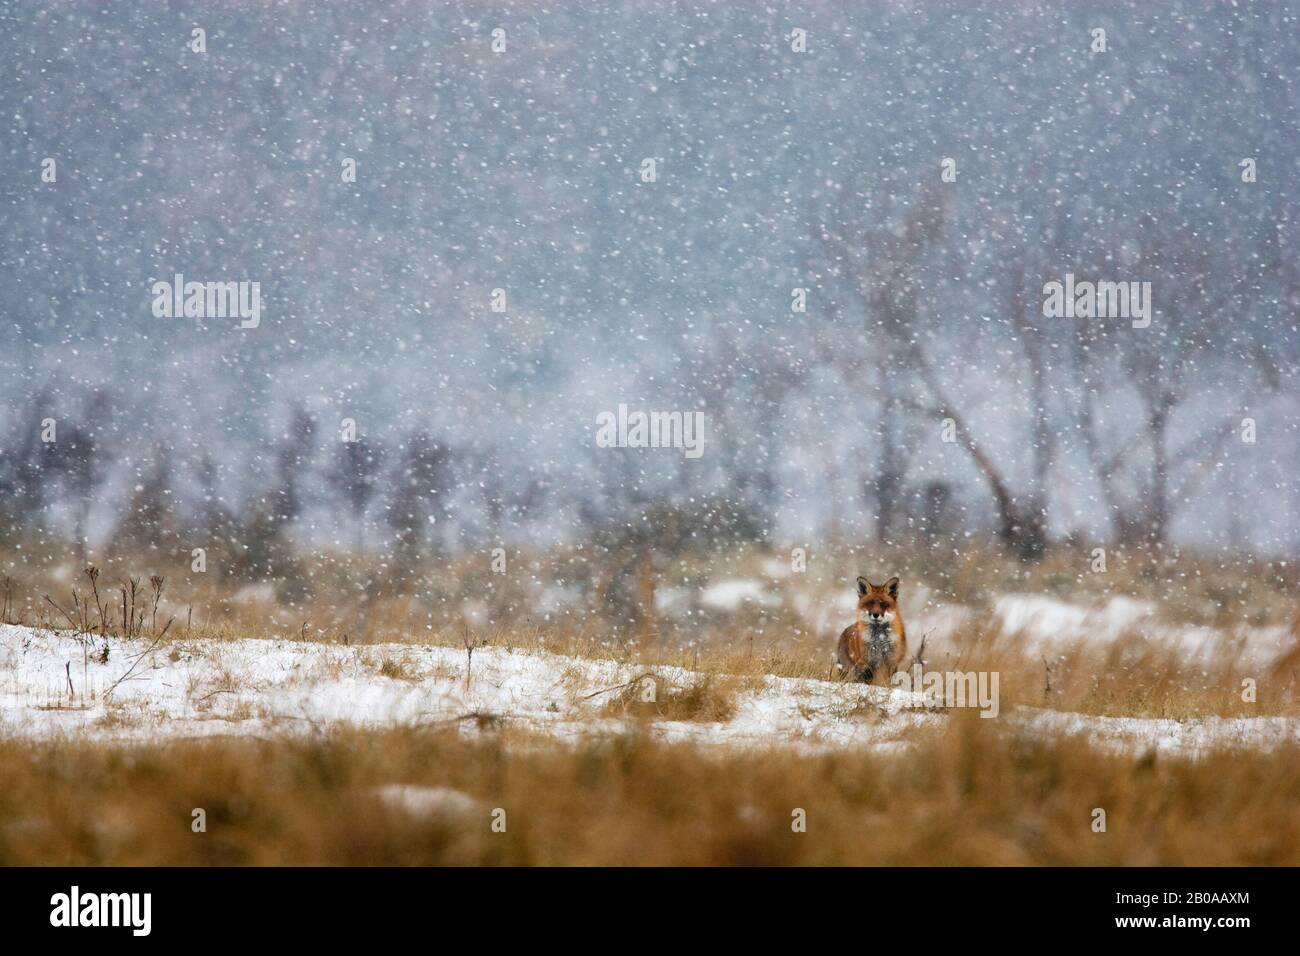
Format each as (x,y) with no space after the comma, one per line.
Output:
(705,697)
(356,595)
(966,791)
(1130,677)
(971,794)
(396,669)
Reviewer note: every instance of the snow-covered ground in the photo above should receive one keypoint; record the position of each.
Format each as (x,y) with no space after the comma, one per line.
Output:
(202,687)
(1043,622)
(1046,621)
(192,688)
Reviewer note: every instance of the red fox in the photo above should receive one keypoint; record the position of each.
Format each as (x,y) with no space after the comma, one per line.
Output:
(875,644)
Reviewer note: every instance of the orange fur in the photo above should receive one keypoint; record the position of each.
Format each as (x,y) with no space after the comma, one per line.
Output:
(876,643)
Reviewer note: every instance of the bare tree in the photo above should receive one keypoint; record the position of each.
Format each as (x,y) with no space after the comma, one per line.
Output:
(292,457)
(1145,478)
(262,546)
(354,476)
(215,521)
(77,459)
(880,268)
(422,482)
(23,459)
(149,523)
(887,266)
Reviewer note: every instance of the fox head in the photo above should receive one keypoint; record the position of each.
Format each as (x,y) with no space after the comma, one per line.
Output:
(877,603)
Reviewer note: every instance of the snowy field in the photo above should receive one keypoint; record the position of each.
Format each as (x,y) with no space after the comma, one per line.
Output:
(1045,622)
(198,688)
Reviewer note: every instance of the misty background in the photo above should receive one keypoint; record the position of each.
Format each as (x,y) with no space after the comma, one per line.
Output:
(777,171)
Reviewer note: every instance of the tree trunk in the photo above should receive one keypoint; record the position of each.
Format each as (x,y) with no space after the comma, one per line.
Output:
(1158,515)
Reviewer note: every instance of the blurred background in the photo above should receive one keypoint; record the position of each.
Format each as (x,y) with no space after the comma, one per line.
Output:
(521,171)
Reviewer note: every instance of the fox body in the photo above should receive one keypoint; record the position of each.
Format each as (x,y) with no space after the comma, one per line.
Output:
(875,643)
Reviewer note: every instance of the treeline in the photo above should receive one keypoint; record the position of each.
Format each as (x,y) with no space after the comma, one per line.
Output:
(83,478)
(1125,425)
(56,473)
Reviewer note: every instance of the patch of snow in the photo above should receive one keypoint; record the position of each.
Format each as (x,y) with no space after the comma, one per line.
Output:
(731,593)
(205,687)
(255,594)
(1047,616)
(555,598)
(474,611)
(1046,621)
(673,601)
(426,801)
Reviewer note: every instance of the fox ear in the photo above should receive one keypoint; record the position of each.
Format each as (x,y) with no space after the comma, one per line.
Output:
(892,586)
(863,585)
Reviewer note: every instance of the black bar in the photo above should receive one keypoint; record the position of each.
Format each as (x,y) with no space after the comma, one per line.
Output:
(339,906)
